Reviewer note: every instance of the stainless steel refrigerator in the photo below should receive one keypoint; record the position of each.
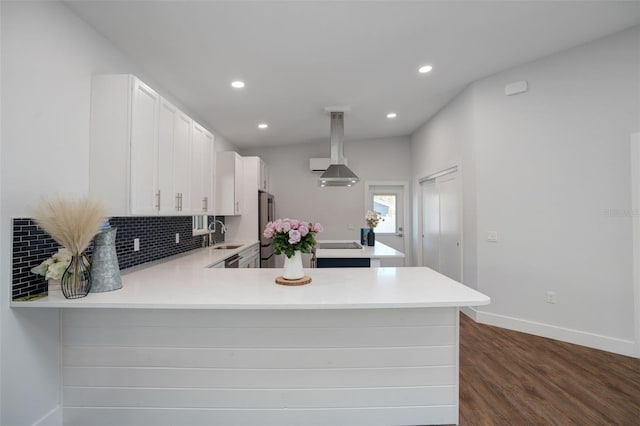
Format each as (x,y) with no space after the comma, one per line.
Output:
(266,213)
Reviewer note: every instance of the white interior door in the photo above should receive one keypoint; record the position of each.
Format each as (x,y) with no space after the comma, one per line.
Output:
(430,225)
(441,230)
(450,264)
(388,200)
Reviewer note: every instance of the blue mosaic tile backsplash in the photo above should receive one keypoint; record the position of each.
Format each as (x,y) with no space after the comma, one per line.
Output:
(157,235)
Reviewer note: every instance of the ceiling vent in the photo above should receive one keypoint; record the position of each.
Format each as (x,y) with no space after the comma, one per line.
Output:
(337,174)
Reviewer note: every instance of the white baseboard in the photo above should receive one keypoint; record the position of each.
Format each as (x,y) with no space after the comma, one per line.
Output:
(591,340)
(470,312)
(52,418)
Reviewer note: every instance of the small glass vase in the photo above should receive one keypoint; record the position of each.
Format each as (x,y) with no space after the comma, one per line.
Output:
(293,267)
(371,238)
(76,279)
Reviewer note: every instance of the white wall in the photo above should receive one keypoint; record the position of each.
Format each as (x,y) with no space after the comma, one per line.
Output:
(299,196)
(442,143)
(48,57)
(547,166)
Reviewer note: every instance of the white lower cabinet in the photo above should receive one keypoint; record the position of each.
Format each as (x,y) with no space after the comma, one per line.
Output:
(250,258)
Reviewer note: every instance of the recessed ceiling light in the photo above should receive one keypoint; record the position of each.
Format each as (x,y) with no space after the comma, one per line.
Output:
(237,84)
(263,126)
(392,115)
(425,69)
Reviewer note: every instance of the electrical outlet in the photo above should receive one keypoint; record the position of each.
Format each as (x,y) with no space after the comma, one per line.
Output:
(552,297)
(136,244)
(492,236)
(177,238)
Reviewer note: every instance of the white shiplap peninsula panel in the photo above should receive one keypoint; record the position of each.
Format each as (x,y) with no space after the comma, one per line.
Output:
(278,367)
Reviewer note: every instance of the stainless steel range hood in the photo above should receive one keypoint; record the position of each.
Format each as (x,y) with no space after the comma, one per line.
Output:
(337,174)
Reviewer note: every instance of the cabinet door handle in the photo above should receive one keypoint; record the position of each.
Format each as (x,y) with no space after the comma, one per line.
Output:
(178,201)
(204,204)
(181,201)
(158,200)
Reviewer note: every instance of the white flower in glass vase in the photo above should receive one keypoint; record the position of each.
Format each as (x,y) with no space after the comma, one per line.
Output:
(54,267)
(72,223)
(373,218)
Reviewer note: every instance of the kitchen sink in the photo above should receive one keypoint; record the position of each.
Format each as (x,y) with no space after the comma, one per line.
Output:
(227,247)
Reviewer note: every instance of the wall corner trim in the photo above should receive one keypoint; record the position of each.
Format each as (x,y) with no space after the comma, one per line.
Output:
(52,418)
(635,208)
(470,311)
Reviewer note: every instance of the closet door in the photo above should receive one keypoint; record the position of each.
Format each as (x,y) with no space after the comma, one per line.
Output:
(441,225)
(450,250)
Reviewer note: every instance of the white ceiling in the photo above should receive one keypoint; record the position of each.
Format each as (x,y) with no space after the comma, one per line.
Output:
(298,57)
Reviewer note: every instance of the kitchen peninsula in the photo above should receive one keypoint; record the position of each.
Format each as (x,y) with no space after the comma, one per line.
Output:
(181,343)
(334,253)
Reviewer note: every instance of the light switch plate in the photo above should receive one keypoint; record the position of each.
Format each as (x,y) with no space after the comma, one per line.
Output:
(177,238)
(136,244)
(492,236)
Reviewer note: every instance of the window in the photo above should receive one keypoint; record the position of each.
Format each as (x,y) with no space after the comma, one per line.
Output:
(386,205)
(200,224)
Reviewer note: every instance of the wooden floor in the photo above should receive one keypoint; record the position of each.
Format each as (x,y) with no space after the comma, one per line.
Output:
(511,378)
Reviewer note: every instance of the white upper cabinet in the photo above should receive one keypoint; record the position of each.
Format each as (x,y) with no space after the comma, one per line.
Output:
(174,159)
(256,174)
(142,152)
(229,184)
(263,183)
(123,151)
(201,171)
(182,159)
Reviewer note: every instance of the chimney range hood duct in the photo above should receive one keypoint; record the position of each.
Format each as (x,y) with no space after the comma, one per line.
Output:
(337,174)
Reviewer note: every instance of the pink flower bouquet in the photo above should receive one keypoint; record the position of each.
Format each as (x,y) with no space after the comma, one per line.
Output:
(291,235)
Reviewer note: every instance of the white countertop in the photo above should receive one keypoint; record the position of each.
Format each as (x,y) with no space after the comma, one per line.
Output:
(378,251)
(186,283)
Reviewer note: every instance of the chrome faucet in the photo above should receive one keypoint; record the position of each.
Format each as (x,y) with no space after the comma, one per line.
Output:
(212,229)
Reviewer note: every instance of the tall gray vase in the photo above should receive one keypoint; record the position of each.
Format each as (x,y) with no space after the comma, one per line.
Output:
(105,272)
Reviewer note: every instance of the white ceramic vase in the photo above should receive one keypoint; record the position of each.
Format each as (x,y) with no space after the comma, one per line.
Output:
(293,267)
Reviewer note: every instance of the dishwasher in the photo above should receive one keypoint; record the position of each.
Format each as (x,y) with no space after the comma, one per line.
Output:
(232,262)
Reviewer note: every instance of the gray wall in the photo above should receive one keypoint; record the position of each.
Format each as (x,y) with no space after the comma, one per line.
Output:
(543,169)
(48,57)
(299,196)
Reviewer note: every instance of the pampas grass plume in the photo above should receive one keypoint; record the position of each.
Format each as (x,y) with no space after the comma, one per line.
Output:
(72,222)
